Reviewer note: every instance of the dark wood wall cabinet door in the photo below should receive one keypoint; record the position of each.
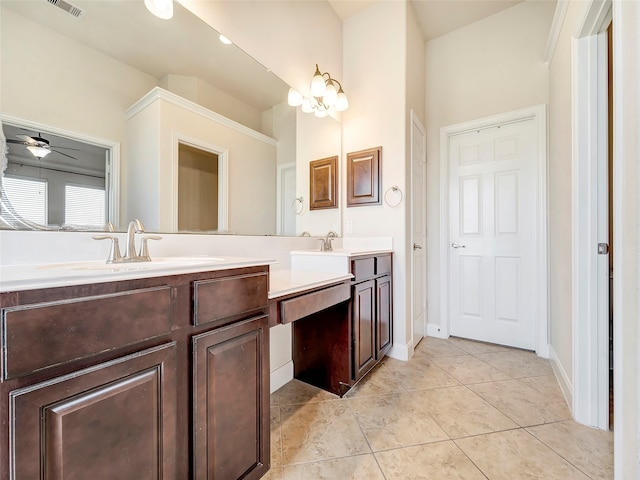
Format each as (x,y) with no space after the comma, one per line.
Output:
(323,183)
(231,401)
(384,308)
(364,177)
(364,312)
(113,420)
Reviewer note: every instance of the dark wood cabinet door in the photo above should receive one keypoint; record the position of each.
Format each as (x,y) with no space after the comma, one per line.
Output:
(364,306)
(113,420)
(231,401)
(383,320)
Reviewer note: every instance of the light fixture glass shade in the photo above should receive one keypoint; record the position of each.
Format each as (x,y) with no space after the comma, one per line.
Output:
(330,94)
(342,103)
(306,106)
(38,151)
(317,84)
(160,8)
(294,98)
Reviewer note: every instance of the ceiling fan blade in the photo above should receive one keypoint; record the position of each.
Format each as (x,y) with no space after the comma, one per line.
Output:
(19,142)
(67,148)
(27,138)
(62,153)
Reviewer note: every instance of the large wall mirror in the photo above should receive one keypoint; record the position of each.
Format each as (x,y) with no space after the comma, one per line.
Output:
(119,95)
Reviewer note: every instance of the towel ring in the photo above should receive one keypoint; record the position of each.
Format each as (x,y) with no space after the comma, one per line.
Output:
(396,190)
(297,202)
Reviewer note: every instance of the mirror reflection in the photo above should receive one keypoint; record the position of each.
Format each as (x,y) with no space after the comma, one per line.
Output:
(81,84)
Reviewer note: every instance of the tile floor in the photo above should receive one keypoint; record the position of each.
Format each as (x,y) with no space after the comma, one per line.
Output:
(457,410)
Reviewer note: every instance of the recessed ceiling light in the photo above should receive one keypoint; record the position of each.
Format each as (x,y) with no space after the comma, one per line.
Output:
(225,40)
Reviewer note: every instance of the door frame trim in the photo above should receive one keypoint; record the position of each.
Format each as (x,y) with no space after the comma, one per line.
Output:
(538,114)
(590,349)
(416,121)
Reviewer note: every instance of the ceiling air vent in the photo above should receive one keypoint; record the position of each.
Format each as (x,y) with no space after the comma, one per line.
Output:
(67,7)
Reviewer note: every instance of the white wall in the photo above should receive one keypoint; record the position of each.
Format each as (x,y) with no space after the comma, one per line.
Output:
(375,67)
(492,66)
(626,91)
(251,163)
(287,37)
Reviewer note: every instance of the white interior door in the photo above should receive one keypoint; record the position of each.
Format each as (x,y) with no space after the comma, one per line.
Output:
(493,187)
(286,187)
(418,229)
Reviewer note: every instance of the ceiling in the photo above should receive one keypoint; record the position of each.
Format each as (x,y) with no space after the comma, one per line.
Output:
(436,17)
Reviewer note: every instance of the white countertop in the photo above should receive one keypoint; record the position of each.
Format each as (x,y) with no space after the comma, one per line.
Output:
(47,275)
(340,252)
(285,282)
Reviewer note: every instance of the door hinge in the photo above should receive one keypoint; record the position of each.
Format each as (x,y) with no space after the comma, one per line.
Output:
(603,248)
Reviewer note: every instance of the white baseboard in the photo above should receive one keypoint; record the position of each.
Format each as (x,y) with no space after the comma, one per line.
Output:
(434,330)
(401,352)
(281,376)
(563,379)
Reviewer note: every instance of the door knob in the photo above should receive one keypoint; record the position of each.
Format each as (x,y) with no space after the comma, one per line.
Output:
(417,247)
(457,245)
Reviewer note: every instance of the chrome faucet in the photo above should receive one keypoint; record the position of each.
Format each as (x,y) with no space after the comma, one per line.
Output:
(135,226)
(130,255)
(326,246)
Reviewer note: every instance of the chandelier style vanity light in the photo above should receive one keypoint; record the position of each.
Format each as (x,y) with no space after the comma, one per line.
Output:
(324,95)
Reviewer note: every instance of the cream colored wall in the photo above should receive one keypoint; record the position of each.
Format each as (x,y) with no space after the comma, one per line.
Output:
(375,68)
(205,94)
(560,193)
(308,130)
(287,37)
(252,168)
(489,67)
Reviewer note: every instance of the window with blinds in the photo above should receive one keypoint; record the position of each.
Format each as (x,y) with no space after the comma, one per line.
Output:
(84,205)
(28,197)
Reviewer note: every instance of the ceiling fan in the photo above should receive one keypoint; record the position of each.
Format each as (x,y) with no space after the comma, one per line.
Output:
(39,146)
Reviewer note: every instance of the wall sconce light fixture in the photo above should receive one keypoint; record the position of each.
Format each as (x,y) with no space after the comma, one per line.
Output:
(160,8)
(324,95)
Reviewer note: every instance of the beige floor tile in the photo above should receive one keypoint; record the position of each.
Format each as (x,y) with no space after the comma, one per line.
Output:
(360,467)
(435,461)
(515,455)
(547,385)
(474,348)
(589,449)
(467,369)
(276,437)
(296,392)
(434,347)
(320,431)
(518,363)
(521,403)
(274,474)
(392,421)
(420,375)
(461,413)
(380,381)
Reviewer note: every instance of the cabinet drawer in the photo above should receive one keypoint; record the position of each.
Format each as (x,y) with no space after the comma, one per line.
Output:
(56,333)
(383,264)
(229,296)
(304,305)
(363,268)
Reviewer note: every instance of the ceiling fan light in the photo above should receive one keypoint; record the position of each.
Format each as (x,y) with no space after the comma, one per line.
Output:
(160,8)
(38,151)
(295,97)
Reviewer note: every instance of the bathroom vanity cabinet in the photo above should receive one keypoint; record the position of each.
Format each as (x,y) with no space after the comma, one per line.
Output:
(335,347)
(164,377)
